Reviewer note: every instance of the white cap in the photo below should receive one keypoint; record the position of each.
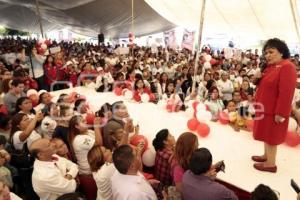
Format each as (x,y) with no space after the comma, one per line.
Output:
(31,92)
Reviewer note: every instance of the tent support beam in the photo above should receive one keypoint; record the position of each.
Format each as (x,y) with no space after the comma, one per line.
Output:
(295,17)
(199,44)
(39,17)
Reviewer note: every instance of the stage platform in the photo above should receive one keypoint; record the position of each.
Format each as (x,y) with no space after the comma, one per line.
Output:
(235,148)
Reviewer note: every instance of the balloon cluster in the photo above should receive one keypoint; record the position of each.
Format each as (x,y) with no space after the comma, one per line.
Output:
(148,155)
(201,115)
(42,46)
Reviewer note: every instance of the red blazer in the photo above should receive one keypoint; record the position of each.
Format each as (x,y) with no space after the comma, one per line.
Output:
(275,93)
(137,94)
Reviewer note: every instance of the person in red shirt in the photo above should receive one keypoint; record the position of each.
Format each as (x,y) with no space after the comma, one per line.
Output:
(273,100)
(50,70)
(140,89)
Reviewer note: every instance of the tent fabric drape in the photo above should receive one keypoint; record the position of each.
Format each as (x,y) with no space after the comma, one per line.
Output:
(86,17)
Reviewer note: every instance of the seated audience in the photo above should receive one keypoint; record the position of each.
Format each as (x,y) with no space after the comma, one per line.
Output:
(16,91)
(5,194)
(264,192)
(100,160)
(52,175)
(164,144)
(127,182)
(185,145)
(198,183)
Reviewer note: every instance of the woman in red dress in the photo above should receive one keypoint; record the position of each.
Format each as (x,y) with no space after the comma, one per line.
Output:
(273,102)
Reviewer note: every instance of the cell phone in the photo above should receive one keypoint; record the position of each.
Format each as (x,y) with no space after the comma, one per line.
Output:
(220,166)
(295,186)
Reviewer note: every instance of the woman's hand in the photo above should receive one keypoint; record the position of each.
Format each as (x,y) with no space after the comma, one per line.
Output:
(279,119)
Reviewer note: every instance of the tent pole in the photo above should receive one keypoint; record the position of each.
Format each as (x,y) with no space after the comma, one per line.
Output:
(296,19)
(132,24)
(39,16)
(199,44)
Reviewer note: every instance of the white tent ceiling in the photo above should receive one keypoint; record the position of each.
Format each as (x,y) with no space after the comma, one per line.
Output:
(87,17)
(238,18)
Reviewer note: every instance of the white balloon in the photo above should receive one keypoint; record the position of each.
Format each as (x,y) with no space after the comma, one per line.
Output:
(292,124)
(207,65)
(128,95)
(203,115)
(201,107)
(207,58)
(44,46)
(145,98)
(148,158)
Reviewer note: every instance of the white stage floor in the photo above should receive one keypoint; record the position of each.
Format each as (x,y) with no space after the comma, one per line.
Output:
(235,148)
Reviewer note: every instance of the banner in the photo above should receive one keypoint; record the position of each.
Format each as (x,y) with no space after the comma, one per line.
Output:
(188,40)
(170,39)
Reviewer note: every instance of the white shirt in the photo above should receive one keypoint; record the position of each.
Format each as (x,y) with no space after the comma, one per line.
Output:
(18,144)
(130,187)
(155,71)
(48,179)
(226,88)
(82,144)
(14,197)
(102,179)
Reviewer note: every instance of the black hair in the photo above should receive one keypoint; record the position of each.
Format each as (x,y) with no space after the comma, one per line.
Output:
(263,192)
(161,136)
(2,140)
(19,102)
(123,158)
(4,120)
(136,81)
(16,82)
(201,161)
(278,44)
(104,108)
(77,103)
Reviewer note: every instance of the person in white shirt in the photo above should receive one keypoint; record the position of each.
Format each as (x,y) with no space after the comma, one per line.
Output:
(5,194)
(22,131)
(81,140)
(225,86)
(127,182)
(52,175)
(100,160)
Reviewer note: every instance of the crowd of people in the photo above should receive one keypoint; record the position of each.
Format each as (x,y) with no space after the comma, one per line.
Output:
(50,151)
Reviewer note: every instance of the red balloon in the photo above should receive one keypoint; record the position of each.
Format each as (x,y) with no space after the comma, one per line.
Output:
(118,91)
(213,61)
(250,125)
(195,104)
(169,107)
(135,140)
(192,124)
(292,139)
(223,118)
(203,130)
(90,118)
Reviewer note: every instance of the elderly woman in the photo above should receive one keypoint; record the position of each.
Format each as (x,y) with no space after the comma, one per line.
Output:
(274,96)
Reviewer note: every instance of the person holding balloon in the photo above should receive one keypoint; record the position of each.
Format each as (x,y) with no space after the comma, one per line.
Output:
(275,90)
(142,93)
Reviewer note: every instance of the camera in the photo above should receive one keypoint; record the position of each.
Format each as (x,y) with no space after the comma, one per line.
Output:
(220,166)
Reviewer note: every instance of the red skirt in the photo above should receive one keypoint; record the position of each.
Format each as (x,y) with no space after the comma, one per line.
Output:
(268,131)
